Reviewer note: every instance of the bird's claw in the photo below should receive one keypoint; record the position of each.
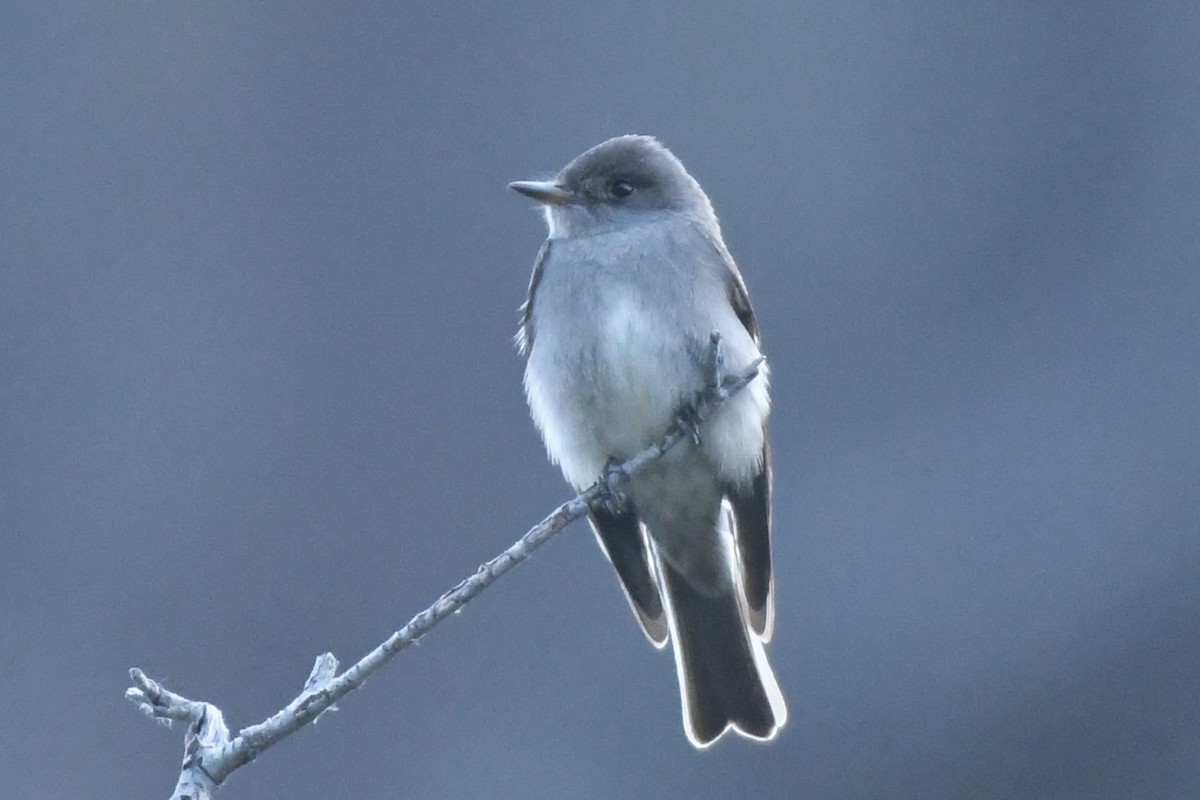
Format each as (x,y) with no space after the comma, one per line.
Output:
(612,487)
(689,420)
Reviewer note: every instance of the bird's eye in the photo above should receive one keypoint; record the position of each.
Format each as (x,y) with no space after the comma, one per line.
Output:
(621,189)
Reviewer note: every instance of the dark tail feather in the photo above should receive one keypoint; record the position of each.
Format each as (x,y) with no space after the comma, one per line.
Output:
(724,676)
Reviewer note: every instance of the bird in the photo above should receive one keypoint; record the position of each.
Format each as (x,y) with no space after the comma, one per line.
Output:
(628,288)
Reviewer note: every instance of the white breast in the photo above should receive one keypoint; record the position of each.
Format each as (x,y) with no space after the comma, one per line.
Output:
(615,356)
(601,386)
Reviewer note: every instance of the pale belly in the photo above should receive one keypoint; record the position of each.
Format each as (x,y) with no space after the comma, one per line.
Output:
(614,390)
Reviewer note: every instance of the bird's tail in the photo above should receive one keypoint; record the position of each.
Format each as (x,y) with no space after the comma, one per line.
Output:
(724,678)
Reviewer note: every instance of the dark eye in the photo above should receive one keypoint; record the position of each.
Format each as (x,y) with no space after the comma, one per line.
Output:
(621,189)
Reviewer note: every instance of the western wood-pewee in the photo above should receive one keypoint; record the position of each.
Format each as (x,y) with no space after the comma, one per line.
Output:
(626,290)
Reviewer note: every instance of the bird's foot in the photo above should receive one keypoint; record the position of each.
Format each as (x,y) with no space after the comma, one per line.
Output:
(688,419)
(613,480)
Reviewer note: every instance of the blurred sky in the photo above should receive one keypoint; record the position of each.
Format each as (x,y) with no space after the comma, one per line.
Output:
(258,398)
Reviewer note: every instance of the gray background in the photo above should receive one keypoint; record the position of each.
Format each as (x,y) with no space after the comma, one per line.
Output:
(258,281)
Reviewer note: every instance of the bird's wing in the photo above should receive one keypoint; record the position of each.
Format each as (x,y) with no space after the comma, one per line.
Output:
(739,298)
(524,338)
(752,502)
(621,538)
(751,505)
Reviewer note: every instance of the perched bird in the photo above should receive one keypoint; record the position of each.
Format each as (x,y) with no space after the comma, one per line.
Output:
(626,291)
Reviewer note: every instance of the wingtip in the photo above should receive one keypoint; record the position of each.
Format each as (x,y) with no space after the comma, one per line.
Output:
(655,629)
(762,619)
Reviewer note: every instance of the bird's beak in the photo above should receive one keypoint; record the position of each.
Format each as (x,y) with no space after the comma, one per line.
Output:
(546,192)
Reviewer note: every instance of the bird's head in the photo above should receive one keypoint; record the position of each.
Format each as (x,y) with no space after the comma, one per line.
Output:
(624,181)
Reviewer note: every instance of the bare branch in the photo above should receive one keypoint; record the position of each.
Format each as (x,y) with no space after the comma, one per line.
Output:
(210,755)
